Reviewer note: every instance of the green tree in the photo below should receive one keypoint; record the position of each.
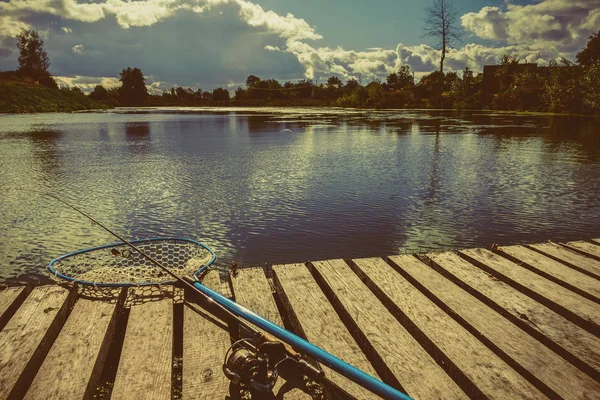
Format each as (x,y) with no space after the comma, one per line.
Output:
(351,85)
(591,52)
(220,96)
(440,23)
(465,92)
(528,91)
(252,80)
(99,93)
(403,79)
(239,93)
(334,81)
(33,59)
(591,87)
(562,89)
(133,91)
(374,95)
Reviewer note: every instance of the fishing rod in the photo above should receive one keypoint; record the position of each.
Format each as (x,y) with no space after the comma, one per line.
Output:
(354,374)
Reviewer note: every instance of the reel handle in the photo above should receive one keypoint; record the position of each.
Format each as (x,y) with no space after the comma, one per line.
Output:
(267,337)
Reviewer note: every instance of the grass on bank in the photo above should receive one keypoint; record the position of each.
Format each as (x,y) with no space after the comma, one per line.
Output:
(21,97)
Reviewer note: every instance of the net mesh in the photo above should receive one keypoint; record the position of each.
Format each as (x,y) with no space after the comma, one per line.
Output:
(121,265)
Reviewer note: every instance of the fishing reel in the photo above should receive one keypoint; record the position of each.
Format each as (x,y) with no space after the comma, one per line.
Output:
(255,365)
(247,367)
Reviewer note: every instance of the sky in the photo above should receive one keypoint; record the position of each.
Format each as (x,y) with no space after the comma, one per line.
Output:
(218,43)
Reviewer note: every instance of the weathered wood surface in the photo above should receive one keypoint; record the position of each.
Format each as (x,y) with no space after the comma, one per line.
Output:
(553,375)
(9,302)
(587,311)
(589,249)
(314,318)
(570,258)
(251,289)
(205,342)
(145,366)
(73,366)
(469,323)
(578,342)
(410,364)
(556,270)
(493,377)
(27,337)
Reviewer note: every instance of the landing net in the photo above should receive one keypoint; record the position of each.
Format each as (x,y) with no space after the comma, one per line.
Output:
(119,265)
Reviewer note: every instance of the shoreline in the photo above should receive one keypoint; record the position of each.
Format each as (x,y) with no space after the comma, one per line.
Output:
(200,108)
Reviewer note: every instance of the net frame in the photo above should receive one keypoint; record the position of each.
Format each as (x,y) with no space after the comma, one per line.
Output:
(51,266)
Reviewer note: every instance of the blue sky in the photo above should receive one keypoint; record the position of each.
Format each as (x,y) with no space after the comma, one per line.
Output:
(210,43)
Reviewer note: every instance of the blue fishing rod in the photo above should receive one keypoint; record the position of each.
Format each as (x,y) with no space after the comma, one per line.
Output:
(343,368)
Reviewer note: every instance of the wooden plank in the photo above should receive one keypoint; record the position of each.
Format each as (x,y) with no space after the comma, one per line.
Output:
(145,366)
(545,369)
(251,289)
(590,249)
(73,366)
(406,359)
(554,270)
(315,319)
(572,306)
(579,343)
(205,342)
(26,339)
(10,299)
(494,378)
(583,263)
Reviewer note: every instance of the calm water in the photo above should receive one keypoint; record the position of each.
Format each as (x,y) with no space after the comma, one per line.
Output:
(276,185)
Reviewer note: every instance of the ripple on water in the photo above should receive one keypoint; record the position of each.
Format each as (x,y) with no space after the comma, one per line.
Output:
(288,185)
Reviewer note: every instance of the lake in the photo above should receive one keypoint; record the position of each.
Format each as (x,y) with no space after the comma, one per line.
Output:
(292,185)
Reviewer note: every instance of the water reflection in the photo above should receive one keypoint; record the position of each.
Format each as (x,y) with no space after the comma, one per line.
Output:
(288,186)
(44,142)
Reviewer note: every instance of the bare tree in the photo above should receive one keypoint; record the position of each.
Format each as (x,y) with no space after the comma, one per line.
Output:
(440,23)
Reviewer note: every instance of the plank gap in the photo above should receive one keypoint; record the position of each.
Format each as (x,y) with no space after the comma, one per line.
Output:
(588,325)
(568,264)
(472,330)
(380,366)
(536,334)
(26,378)
(434,351)
(109,371)
(8,310)
(546,275)
(292,324)
(581,251)
(176,372)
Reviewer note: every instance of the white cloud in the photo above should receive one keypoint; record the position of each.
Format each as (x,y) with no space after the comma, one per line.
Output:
(288,27)
(149,12)
(87,83)
(68,9)
(322,62)
(266,43)
(562,24)
(78,49)
(10,27)
(140,13)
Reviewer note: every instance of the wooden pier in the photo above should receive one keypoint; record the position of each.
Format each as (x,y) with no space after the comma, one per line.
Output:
(514,322)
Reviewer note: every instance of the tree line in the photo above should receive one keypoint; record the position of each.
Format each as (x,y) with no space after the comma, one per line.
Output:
(561,86)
